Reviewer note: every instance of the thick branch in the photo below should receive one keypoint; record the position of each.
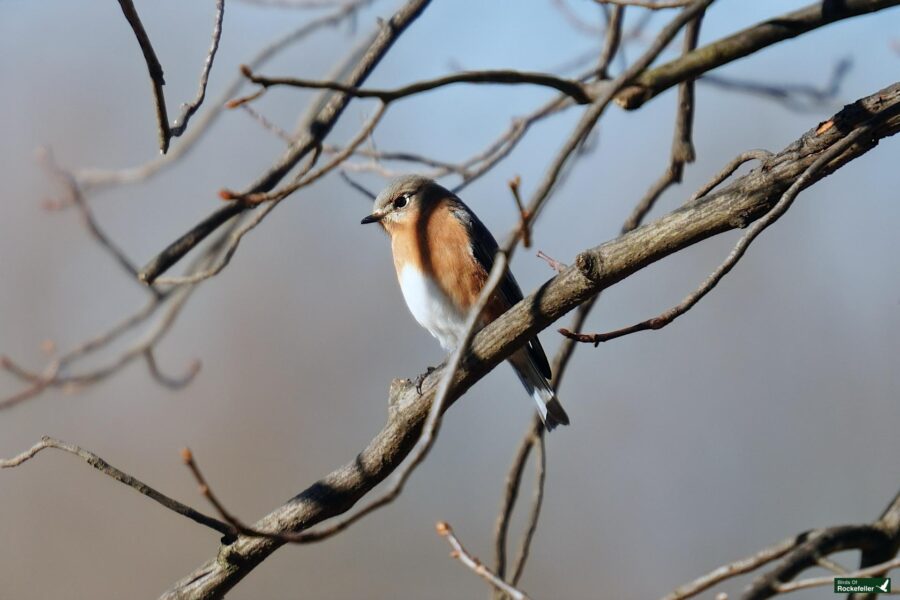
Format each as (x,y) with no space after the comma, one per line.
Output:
(743,43)
(737,205)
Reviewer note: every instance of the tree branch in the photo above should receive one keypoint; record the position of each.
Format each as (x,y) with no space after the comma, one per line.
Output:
(736,254)
(808,549)
(96,179)
(459,552)
(737,205)
(122,477)
(316,127)
(154,68)
(571,87)
(706,58)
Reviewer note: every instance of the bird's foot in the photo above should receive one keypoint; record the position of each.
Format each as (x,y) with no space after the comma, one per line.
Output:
(421,379)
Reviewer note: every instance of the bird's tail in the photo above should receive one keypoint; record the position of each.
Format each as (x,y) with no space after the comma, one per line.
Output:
(549,408)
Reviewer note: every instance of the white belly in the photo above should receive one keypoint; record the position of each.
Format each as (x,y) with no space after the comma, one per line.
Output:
(432,308)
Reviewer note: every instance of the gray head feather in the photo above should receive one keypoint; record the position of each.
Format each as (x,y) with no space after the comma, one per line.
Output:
(413,185)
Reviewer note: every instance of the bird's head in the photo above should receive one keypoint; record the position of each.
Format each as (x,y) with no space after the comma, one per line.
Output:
(404,199)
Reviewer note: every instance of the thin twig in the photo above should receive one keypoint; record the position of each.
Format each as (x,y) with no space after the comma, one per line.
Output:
(95,179)
(728,170)
(682,143)
(651,4)
(738,567)
(880,569)
(267,124)
(575,20)
(610,90)
(834,567)
(173,383)
(307,178)
(53,374)
(794,96)
(369,194)
(188,110)
(734,256)
(540,464)
(76,198)
(165,132)
(459,552)
(510,496)
(316,126)
(554,264)
(611,41)
(524,217)
(120,476)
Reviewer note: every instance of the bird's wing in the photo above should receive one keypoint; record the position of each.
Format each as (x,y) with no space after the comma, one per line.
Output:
(484,248)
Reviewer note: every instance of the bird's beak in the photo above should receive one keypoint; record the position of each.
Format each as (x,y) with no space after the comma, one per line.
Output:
(373,218)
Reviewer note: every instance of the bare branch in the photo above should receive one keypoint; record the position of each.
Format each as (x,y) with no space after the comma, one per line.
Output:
(554,264)
(444,530)
(651,4)
(878,542)
(76,198)
(881,569)
(154,68)
(571,87)
(510,496)
(729,169)
(94,179)
(316,127)
(595,111)
(304,178)
(736,254)
(540,463)
(524,216)
(120,476)
(188,110)
(304,4)
(593,270)
(173,383)
(738,567)
(806,550)
(743,43)
(682,142)
(611,41)
(794,96)
(54,375)
(267,124)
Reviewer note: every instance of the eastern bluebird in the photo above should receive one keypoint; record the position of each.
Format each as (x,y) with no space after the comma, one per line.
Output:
(443,255)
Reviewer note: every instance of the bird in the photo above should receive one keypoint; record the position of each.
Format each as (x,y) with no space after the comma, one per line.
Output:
(442,255)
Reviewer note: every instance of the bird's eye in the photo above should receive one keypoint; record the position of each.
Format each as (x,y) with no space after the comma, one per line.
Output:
(401,201)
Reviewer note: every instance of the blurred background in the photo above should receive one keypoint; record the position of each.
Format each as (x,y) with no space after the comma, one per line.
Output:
(769,409)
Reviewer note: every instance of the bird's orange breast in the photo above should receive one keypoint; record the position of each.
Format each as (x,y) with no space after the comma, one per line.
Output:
(436,243)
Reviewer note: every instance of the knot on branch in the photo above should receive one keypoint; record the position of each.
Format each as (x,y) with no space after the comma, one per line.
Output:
(590,265)
(229,557)
(398,390)
(633,97)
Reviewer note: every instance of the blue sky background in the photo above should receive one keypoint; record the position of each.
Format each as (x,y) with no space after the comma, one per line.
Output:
(769,409)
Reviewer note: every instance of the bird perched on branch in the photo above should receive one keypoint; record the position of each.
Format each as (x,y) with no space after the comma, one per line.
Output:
(443,255)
